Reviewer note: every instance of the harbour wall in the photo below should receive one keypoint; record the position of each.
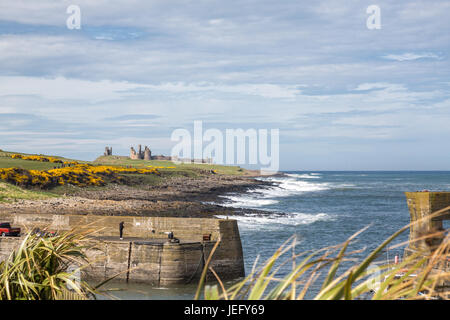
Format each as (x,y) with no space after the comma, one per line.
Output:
(145,254)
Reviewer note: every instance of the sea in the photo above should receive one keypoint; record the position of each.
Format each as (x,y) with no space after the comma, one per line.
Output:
(315,209)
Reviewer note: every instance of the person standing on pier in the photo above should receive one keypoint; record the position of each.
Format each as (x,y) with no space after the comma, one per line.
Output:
(121,226)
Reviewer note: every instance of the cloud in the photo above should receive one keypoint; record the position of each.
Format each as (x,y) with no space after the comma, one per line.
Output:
(74,89)
(138,69)
(411,56)
(380,85)
(127,117)
(260,89)
(65,89)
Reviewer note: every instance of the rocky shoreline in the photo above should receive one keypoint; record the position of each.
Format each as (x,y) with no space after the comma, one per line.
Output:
(176,197)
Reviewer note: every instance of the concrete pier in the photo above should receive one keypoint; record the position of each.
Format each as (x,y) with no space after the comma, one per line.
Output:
(145,255)
(421,205)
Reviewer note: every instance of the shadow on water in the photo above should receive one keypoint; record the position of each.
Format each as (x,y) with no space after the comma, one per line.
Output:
(138,291)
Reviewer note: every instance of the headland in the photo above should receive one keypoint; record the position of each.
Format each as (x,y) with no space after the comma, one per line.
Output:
(152,197)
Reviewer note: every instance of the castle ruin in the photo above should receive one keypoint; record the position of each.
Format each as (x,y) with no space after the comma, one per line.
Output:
(142,155)
(146,154)
(108,151)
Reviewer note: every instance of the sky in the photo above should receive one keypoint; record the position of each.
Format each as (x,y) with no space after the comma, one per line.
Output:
(343,96)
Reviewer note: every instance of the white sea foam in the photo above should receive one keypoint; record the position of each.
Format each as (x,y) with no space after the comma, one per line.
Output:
(267,195)
(245,201)
(304,176)
(251,221)
(290,186)
(263,198)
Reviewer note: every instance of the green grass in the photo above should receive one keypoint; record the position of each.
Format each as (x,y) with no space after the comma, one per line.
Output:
(25,164)
(183,169)
(143,179)
(10,193)
(190,169)
(7,162)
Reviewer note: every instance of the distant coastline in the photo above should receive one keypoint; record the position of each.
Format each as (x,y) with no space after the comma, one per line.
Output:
(177,197)
(184,191)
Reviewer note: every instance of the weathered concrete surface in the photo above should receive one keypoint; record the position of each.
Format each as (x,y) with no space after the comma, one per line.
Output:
(145,249)
(154,262)
(7,245)
(191,229)
(421,205)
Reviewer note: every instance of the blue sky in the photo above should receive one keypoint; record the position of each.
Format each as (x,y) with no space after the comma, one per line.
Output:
(344,97)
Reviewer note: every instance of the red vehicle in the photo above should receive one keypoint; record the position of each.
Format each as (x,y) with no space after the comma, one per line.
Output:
(6,230)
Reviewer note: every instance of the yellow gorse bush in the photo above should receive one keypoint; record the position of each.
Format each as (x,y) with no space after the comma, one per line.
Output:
(79,175)
(112,169)
(42,159)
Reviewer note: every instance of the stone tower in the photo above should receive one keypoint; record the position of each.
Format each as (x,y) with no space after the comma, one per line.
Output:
(142,155)
(421,205)
(147,154)
(133,154)
(108,151)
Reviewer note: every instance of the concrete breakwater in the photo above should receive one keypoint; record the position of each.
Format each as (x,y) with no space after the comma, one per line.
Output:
(145,254)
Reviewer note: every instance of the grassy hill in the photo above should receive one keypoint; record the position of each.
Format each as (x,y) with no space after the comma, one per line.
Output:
(167,169)
(190,168)
(183,168)
(7,162)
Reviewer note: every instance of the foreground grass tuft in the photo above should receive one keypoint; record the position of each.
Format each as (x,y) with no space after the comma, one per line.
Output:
(40,269)
(423,275)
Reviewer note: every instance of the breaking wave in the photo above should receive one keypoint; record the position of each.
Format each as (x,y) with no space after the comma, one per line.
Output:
(269,195)
(244,201)
(304,176)
(271,199)
(254,221)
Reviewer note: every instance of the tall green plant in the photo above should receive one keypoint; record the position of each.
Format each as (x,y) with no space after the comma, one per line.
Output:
(38,269)
(418,276)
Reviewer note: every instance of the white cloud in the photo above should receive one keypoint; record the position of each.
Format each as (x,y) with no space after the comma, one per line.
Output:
(411,56)
(380,85)
(263,90)
(66,89)
(231,62)
(94,91)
